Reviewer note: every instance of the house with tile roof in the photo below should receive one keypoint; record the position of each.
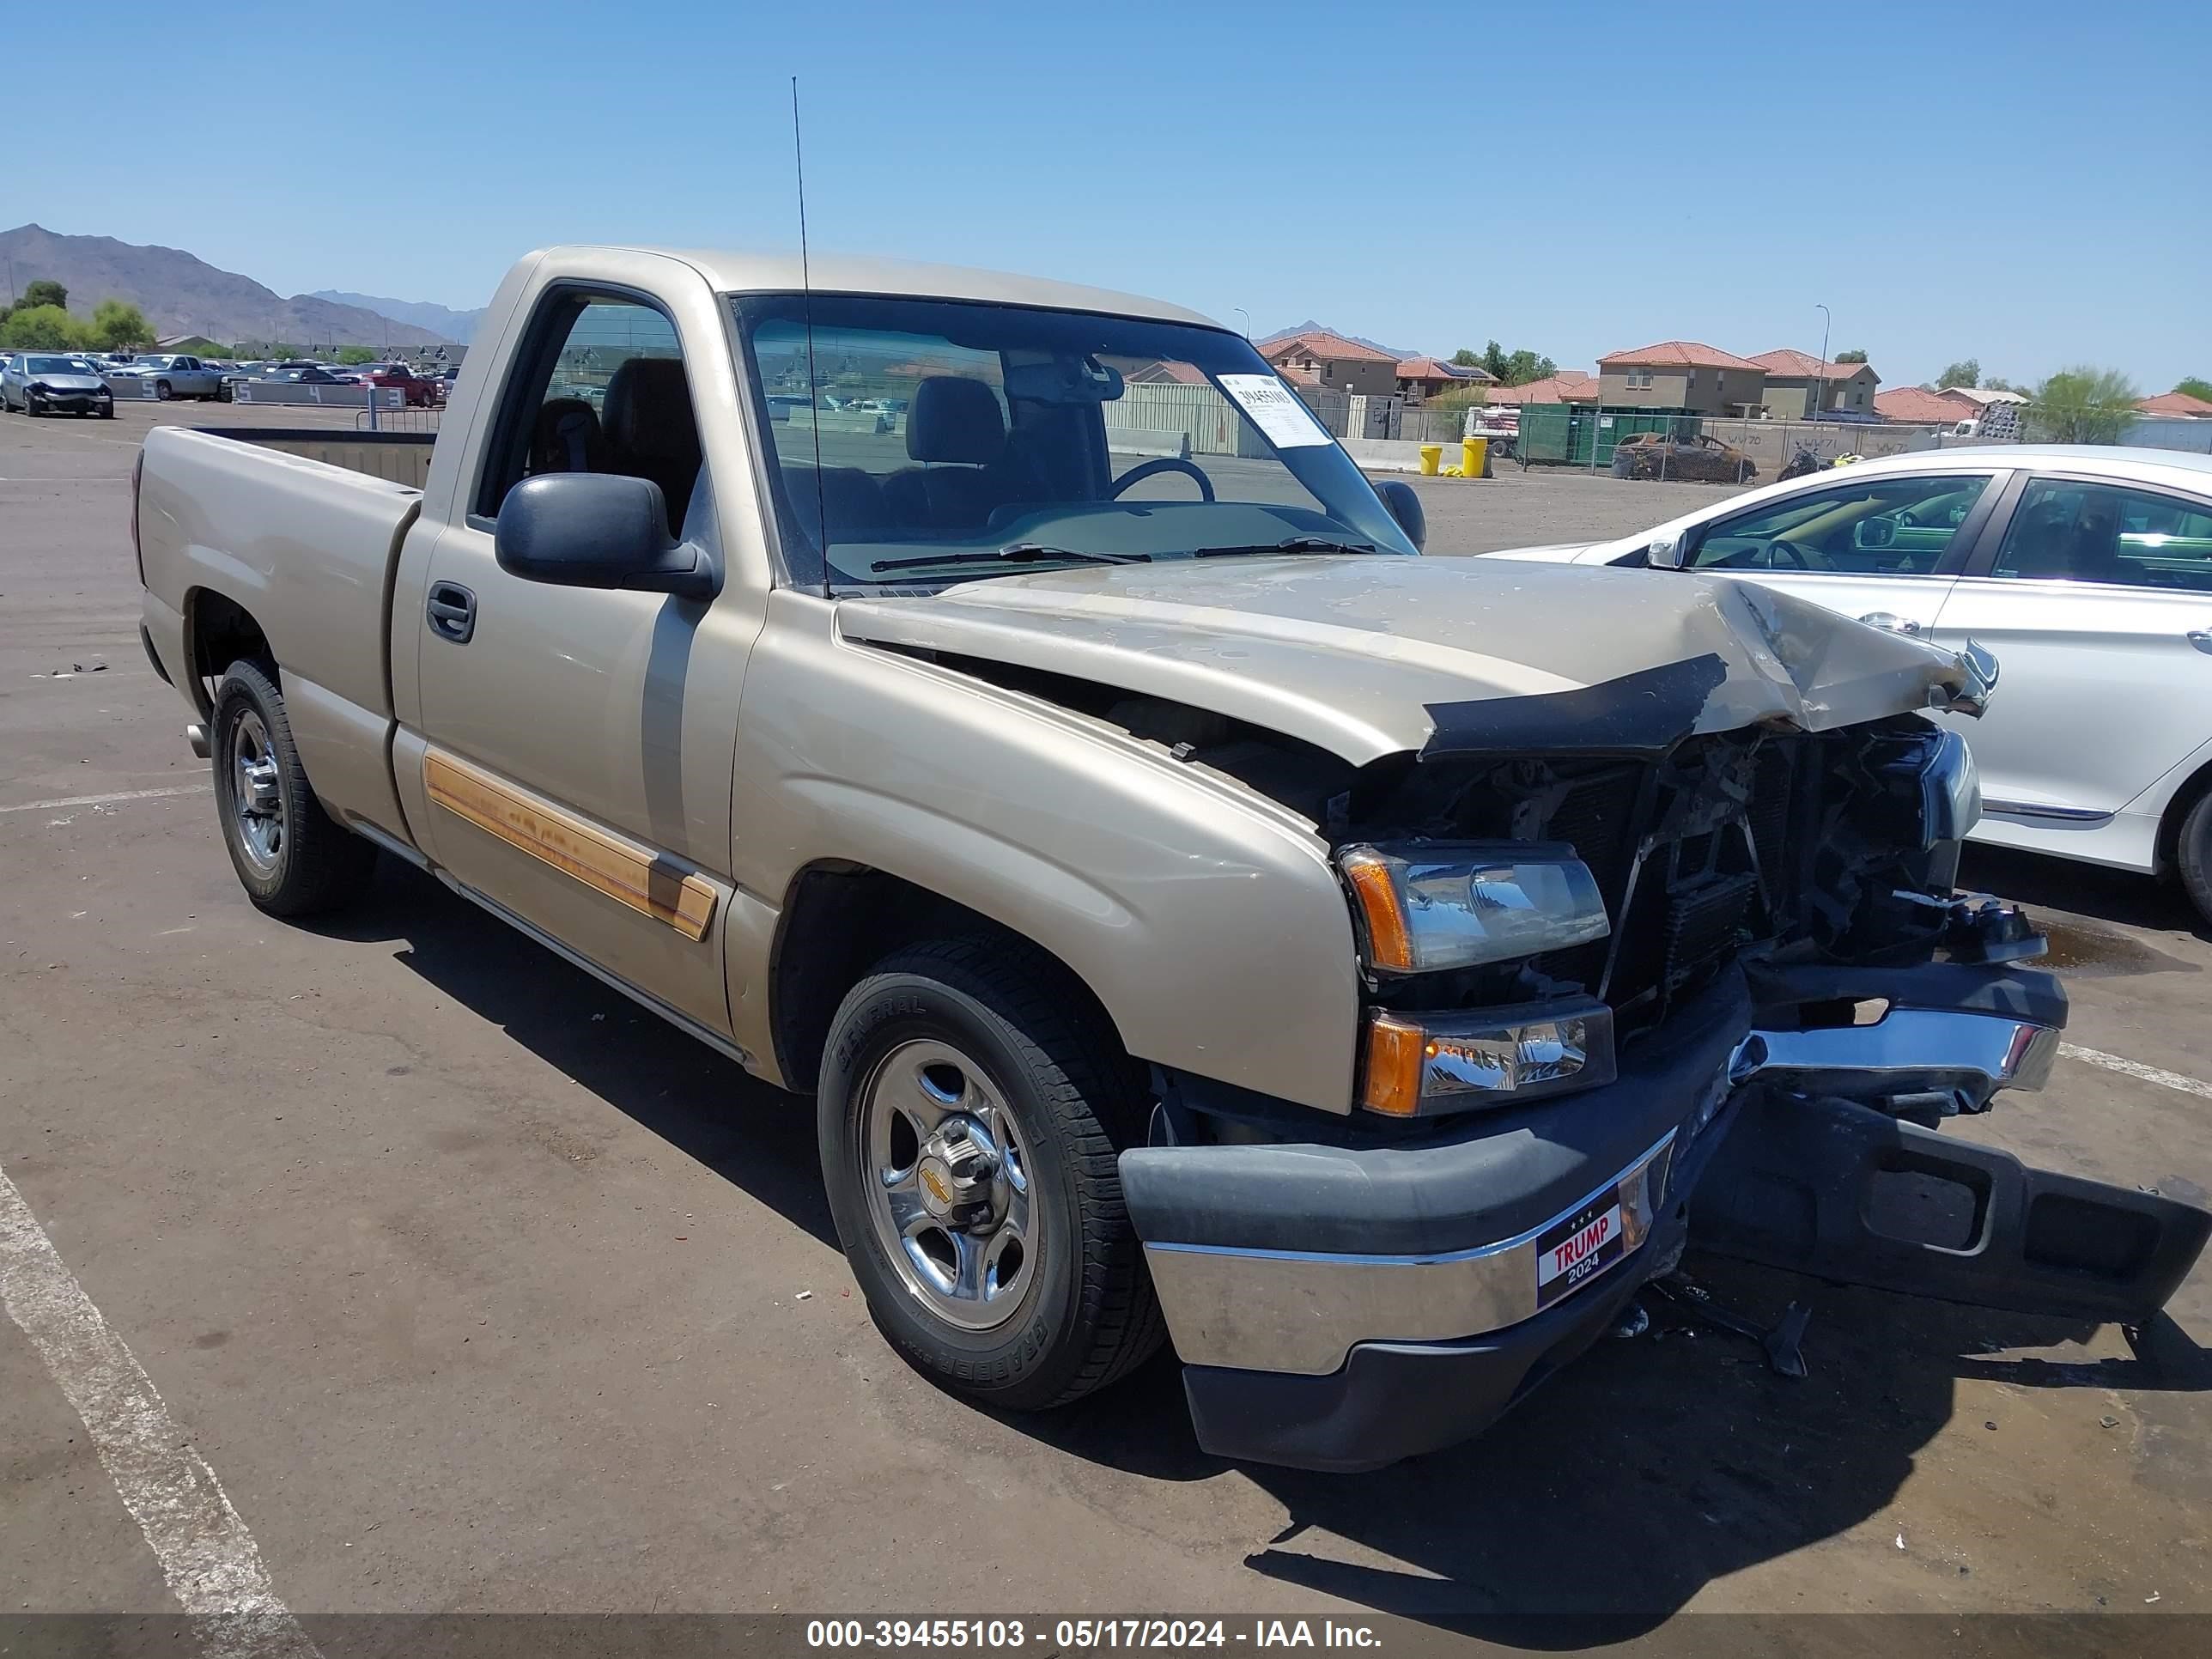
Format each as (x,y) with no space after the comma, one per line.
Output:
(1420,378)
(1568,386)
(1681,374)
(1798,383)
(2173,404)
(1317,357)
(1917,404)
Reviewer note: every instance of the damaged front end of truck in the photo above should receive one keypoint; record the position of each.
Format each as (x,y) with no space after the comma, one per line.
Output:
(1665,958)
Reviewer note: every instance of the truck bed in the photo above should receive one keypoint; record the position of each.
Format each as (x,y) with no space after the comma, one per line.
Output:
(400,457)
(302,531)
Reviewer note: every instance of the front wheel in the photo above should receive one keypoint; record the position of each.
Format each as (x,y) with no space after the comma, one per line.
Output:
(292,857)
(971,1101)
(162,390)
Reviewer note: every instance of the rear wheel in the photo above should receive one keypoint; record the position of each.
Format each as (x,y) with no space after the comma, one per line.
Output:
(2193,855)
(967,1103)
(292,857)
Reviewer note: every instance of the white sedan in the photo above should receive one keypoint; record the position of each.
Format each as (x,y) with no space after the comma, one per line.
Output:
(2087,571)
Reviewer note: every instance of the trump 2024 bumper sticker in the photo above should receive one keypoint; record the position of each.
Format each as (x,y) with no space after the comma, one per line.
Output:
(1579,1247)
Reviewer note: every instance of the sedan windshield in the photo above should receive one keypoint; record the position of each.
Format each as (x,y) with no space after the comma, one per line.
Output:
(918,442)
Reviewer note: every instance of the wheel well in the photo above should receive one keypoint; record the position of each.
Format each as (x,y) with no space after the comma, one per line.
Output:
(2177,810)
(842,919)
(218,631)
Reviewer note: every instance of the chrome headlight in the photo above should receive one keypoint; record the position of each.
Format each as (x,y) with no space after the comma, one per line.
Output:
(1459,904)
(1418,1064)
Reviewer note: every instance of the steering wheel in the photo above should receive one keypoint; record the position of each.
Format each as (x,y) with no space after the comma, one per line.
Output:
(1801,557)
(1145,469)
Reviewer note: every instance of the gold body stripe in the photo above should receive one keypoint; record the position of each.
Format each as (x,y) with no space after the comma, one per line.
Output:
(630,874)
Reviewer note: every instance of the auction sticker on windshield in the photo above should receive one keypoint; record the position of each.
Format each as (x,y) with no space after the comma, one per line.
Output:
(1275,410)
(1578,1248)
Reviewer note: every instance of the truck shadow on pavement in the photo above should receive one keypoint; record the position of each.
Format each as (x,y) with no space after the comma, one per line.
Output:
(1653,1466)
(694,1099)
(1595,1510)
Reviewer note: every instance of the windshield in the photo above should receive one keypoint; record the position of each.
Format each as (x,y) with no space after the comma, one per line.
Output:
(57,366)
(933,441)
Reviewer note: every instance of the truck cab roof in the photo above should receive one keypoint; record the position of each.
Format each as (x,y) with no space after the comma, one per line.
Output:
(737,271)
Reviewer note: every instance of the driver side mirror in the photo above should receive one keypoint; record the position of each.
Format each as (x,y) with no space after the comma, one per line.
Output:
(1876,532)
(1665,553)
(598,530)
(1405,506)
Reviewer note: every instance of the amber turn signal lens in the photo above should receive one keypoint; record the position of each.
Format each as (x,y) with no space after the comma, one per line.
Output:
(1388,946)
(1390,1080)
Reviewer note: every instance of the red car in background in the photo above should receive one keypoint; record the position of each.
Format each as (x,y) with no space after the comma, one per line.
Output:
(421,393)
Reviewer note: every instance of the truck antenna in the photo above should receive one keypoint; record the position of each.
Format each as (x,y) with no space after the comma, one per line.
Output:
(806,300)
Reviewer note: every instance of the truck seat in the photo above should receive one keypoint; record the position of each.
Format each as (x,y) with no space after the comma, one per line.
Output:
(650,430)
(957,431)
(566,438)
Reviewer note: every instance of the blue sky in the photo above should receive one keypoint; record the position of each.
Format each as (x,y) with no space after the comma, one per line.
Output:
(2030,184)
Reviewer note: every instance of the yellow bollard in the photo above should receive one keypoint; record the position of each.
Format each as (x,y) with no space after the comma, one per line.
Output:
(1474,457)
(1431,455)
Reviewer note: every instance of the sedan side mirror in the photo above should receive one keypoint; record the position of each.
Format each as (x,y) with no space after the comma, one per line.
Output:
(1405,507)
(1665,553)
(598,530)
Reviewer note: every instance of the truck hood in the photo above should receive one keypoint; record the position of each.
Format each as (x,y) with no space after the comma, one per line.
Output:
(1369,655)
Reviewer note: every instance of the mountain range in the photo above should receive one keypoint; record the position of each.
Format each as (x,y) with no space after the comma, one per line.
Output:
(1309,326)
(183,295)
(422,313)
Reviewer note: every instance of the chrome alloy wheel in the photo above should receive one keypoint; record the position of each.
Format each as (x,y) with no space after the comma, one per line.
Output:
(945,1177)
(256,797)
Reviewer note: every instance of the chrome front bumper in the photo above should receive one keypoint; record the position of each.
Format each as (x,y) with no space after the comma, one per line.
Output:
(1301,1312)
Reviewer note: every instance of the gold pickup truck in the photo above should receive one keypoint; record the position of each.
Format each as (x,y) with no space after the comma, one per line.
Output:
(1000,711)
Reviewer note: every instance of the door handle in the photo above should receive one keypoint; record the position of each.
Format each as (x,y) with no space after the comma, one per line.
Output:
(2201,638)
(1890,622)
(451,611)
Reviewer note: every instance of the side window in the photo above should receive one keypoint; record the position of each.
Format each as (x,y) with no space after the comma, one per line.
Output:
(601,388)
(2063,531)
(1882,526)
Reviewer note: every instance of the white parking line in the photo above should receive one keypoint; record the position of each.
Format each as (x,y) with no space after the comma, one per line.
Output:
(109,800)
(2135,1068)
(211,1560)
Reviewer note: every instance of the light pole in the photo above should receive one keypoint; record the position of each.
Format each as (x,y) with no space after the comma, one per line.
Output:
(1820,384)
(1247,316)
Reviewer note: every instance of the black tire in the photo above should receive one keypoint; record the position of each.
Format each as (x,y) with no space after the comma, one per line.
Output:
(163,391)
(1089,1315)
(320,865)
(108,413)
(2192,854)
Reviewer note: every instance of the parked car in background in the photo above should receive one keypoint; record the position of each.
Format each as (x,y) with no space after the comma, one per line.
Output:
(50,383)
(418,390)
(174,375)
(1701,459)
(2087,570)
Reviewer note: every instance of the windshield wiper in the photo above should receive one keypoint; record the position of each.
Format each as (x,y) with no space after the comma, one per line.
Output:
(1015,553)
(1288,544)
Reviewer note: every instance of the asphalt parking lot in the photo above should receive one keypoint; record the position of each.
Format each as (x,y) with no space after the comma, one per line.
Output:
(478,1289)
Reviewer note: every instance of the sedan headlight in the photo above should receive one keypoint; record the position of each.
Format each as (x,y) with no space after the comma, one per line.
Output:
(1459,904)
